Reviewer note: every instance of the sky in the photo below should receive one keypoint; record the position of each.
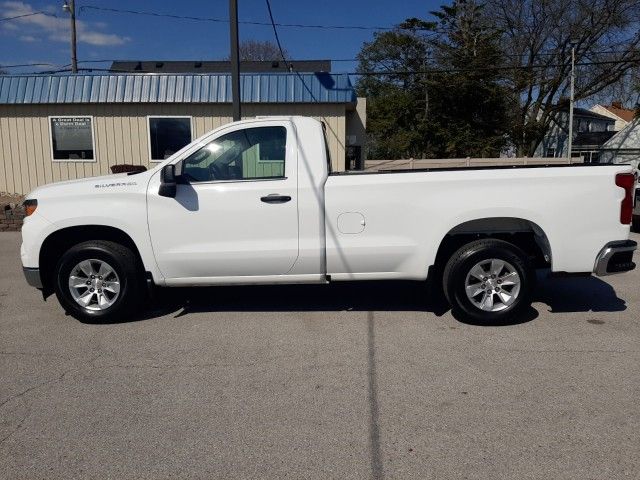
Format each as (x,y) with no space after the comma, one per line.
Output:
(107,35)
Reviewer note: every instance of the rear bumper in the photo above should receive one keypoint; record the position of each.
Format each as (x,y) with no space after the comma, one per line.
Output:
(615,257)
(32,276)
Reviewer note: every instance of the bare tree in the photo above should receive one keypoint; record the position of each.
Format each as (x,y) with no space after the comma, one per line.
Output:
(538,37)
(626,91)
(258,50)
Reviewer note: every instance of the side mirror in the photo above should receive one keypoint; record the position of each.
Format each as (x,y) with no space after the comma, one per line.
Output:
(168,184)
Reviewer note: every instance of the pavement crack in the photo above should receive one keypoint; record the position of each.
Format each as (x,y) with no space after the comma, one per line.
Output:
(30,389)
(177,365)
(15,430)
(377,469)
(622,352)
(57,379)
(33,354)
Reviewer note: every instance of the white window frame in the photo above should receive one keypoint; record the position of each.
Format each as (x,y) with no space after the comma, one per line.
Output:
(149,117)
(74,160)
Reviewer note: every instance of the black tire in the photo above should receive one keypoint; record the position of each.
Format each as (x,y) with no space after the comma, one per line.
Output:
(125,264)
(462,262)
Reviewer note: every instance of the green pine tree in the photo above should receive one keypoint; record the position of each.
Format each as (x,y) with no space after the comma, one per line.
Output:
(458,108)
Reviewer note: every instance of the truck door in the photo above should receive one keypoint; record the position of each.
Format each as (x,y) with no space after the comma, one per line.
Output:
(235,212)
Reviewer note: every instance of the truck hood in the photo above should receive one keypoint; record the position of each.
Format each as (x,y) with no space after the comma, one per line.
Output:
(101,184)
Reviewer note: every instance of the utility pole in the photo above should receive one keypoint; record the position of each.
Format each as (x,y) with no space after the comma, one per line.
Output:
(71,8)
(573,80)
(235,58)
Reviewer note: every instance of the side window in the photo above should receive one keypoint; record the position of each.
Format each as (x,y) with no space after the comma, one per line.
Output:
(252,153)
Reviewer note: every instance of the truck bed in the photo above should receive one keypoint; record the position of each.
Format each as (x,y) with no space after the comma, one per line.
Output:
(406,213)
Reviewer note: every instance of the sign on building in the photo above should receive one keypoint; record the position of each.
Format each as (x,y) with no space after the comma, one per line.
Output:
(72,138)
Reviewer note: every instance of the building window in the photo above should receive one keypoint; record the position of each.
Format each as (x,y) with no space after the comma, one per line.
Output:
(72,138)
(272,147)
(167,135)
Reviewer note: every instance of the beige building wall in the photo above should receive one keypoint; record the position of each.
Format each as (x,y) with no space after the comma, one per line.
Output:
(121,136)
(357,123)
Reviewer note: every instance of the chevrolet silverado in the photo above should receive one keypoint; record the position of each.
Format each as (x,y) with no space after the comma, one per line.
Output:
(255,202)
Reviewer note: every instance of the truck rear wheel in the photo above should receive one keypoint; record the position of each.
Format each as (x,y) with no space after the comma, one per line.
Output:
(98,281)
(489,281)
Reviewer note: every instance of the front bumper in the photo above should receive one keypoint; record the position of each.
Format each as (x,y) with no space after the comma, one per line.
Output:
(615,257)
(33,276)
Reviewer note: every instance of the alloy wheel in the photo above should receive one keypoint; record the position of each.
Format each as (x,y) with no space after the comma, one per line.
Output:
(94,284)
(492,285)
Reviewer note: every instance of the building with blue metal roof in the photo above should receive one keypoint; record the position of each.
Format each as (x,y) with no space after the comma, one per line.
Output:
(58,127)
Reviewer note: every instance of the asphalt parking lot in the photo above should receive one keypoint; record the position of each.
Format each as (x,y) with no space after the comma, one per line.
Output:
(344,381)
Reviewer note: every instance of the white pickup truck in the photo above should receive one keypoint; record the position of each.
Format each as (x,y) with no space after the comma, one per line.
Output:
(255,202)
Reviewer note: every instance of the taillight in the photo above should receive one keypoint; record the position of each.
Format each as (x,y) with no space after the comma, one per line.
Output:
(626,181)
(30,206)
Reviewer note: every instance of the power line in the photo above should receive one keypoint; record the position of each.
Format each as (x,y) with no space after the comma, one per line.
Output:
(27,15)
(153,14)
(356,73)
(245,22)
(494,68)
(275,33)
(337,60)
(29,65)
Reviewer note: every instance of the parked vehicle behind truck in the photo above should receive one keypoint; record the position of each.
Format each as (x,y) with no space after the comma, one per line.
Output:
(255,202)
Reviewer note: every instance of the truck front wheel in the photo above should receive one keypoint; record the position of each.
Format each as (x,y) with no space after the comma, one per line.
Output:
(489,281)
(98,281)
